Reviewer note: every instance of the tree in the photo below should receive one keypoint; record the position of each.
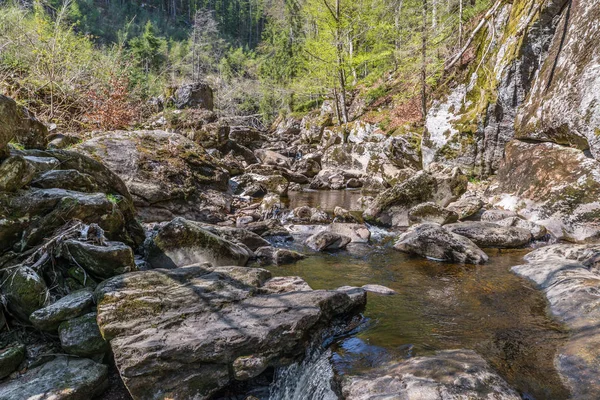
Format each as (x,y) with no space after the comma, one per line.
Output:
(149,50)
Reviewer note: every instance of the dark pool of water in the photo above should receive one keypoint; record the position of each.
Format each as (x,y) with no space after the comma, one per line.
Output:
(438,306)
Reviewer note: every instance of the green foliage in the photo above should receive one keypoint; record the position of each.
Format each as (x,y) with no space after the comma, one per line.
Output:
(149,50)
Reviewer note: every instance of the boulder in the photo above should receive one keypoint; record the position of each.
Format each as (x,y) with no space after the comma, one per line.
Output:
(586,254)
(431,212)
(466,206)
(306,214)
(112,259)
(212,327)
(71,306)
(378,289)
(255,185)
(327,241)
(238,235)
(288,174)
(15,173)
(269,255)
(437,243)
(10,358)
(342,215)
(69,179)
(307,167)
(194,95)
(497,215)
(24,292)
(537,231)
(63,378)
(20,126)
(358,233)
(81,337)
(269,157)
(487,234)
(182,242)
(285,284)
(246,136)
(43,164)
(391,207)
(449,374)
(166,173)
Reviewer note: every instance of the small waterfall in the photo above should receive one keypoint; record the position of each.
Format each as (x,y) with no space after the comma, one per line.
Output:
(309,380)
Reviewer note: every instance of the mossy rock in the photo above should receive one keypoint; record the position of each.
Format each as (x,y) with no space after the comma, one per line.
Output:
(71,306)
(25,292)
(81,336)
(10,358)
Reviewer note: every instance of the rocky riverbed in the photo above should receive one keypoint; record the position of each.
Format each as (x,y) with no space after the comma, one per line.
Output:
(193,259)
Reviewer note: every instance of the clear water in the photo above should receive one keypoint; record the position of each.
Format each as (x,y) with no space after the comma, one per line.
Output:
(441,306)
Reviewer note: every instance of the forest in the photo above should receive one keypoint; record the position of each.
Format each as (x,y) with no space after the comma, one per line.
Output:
(264,58)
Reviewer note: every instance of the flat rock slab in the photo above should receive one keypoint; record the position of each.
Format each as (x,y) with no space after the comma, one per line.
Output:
(451,374)
(188,332)
(63,378)
(573,291)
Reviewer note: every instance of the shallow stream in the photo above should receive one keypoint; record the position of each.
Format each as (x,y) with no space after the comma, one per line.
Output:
(440,306)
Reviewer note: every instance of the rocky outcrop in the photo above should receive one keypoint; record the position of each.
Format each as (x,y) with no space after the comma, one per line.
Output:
(563,273)
(437,243)
(391,207)
(449,374)
(553,185)
(212,326)
(167,174)
(182,242)
(327,241)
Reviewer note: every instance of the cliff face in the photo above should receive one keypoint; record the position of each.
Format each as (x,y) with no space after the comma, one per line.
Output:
(534,78)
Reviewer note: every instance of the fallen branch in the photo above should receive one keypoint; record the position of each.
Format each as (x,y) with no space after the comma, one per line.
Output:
(491,12)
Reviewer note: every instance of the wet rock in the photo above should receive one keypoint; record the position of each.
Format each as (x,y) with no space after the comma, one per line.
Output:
(195,95)
(487,234)
(358,233)
(269,255)
(166,173)
(267,228)
(63,378)
(10,358)
(497,215)
(431,212)
(182,242)
(19,125)
(81,337)
(308,214)
(343,215)
(571,289)
(325,240)
(24,291)
(357,295)
(69,179)
(269,157)
(71,306)
(15,173)
(379,289)
(43,164)
(437,243)
(102,261)
(208,319)
(449,374)
(466,207)
(391,207)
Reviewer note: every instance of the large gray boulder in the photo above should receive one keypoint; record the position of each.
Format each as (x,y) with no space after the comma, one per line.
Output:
(487,234)
(327,240)
(437,243)
(212,326)
(63,378)
(166,173)
(449,374)
(392,206)
(111,259)
(182,242)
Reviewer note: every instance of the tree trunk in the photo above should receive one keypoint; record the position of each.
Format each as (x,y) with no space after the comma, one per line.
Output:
(424,63)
